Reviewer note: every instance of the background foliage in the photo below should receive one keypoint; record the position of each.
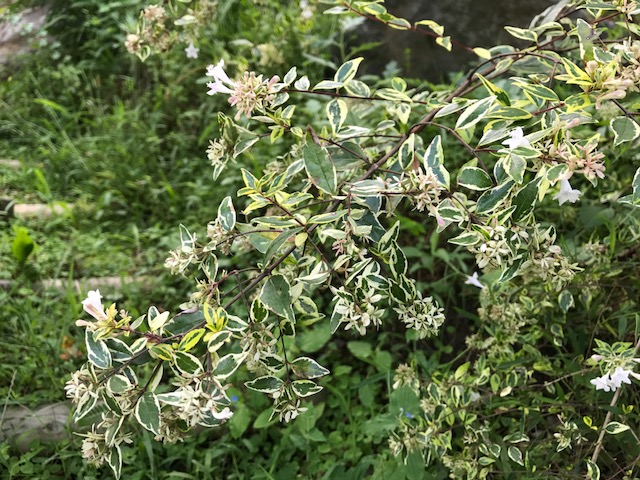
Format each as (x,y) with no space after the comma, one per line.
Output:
(504,388)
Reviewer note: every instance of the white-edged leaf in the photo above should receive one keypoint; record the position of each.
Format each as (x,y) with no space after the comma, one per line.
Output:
(347,71)
(306,367)
(266,384)
(624,130)
(320,168)
(614,428)
(228,364)
(515,455)
(305,388)
(147,412)
(474,113)
(337,111)
(97,351)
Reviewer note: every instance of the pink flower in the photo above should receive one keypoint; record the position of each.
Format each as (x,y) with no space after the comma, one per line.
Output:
(93,306)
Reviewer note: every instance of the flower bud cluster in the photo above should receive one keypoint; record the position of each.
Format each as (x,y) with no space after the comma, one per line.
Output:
(357,310)
(427,188)
(422,315)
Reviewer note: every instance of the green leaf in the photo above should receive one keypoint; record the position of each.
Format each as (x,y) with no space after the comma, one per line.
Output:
(515,167)
(244,145)
(474,178)
(147,412)
(327,217)
(515,455)
(278,242)
(276,296)
(466,239)
(115,461)
(337,111)
(500,94)
(228,364)
(266,384)
(358,89)
(227,214)
(23,245)
(525,199)
(444,42)
(624,130)
(489,200)
(320,168)
(474,113)
(86,405)
(191,339)
(328,85)
(305,388)
(360,350)
(405,155)
(522,33)
(585,35)
(415,465)
(218,339)
(347,71)
(565,300)
(97,351)
(118,384)
(187,364)
(306,367)
(593,471)
(614,428)
(538,91)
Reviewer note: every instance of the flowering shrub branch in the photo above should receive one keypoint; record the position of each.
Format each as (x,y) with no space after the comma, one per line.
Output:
(321,221)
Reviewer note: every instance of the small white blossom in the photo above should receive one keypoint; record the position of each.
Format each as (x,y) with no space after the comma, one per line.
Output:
(618,377)
(566,193)
(602,383)
(191,51)
(517,139)
(473,280)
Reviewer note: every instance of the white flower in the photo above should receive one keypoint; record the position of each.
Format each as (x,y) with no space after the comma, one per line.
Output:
(222,83)
(602,383)
(517,139)
(223,414)
(191,51)
(566,193)
(473,280)
(618,377)
(93,306)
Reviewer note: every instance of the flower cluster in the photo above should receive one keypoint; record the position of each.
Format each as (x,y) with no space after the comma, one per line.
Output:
(151,32)
(610,382)
(358,310)
(247,94)
(427,188)
(106,320)
(422,315)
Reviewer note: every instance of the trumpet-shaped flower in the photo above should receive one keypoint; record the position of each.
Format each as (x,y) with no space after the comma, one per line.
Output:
(222,83)
(566,193)
(602,383)
(473,280)
(620,376)
(517,139)
(93,305)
